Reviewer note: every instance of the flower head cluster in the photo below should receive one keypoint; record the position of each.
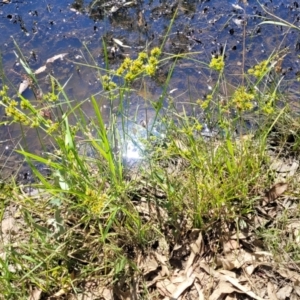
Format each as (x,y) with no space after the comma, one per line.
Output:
(124,66)
(217,63)
(11,108)
(242,100)
(95,200)
(155,52)
(259,70)
(205,103)
(17,115)
(52,127)
(142,64)
(17,111)
(51,97)
(107,83)
(268,106)
(3,94)
(268,109)
(25,104)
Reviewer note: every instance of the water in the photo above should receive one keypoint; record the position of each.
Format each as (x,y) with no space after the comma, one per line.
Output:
(43,29)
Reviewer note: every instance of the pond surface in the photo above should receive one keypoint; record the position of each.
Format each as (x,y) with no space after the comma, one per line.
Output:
(43,29)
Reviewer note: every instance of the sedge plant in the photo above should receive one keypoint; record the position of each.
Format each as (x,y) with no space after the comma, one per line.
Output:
(90,219)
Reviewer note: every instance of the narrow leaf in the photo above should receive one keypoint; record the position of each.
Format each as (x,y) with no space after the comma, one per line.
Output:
(69,144)
(24,65)
(274,23)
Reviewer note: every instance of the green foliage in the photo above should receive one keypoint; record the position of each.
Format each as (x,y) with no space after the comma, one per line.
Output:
(90,201)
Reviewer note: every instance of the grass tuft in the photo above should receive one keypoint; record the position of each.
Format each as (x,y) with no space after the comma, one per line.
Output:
(99,213)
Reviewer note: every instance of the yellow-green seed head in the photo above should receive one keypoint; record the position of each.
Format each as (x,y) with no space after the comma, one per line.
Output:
(156,52)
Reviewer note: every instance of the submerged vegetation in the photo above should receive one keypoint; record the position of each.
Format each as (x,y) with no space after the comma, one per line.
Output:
(199,212)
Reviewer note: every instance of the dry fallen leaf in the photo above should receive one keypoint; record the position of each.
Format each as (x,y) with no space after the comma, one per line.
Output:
(163,260)
(249,269)
(277,190)
(55,57)
(223,288)
(294,297)
(114,8)
(228,273)
(231,297)
(7,225)
(291,275)
(227,264)
(284,293)
(40,70)
(271,291)
(141,20)
(197,248)
(35,294)
(238,22)
(242,288)
(199,290)
(106,294)
(165,287)
(127,295)
(182,287)
(23,86)
(236,6)
(230,245)
(282,166)
(294,227)
(148,265)
(120,43)
(235,259)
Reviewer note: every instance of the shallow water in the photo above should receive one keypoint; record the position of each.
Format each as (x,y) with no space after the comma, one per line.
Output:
(43,29)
